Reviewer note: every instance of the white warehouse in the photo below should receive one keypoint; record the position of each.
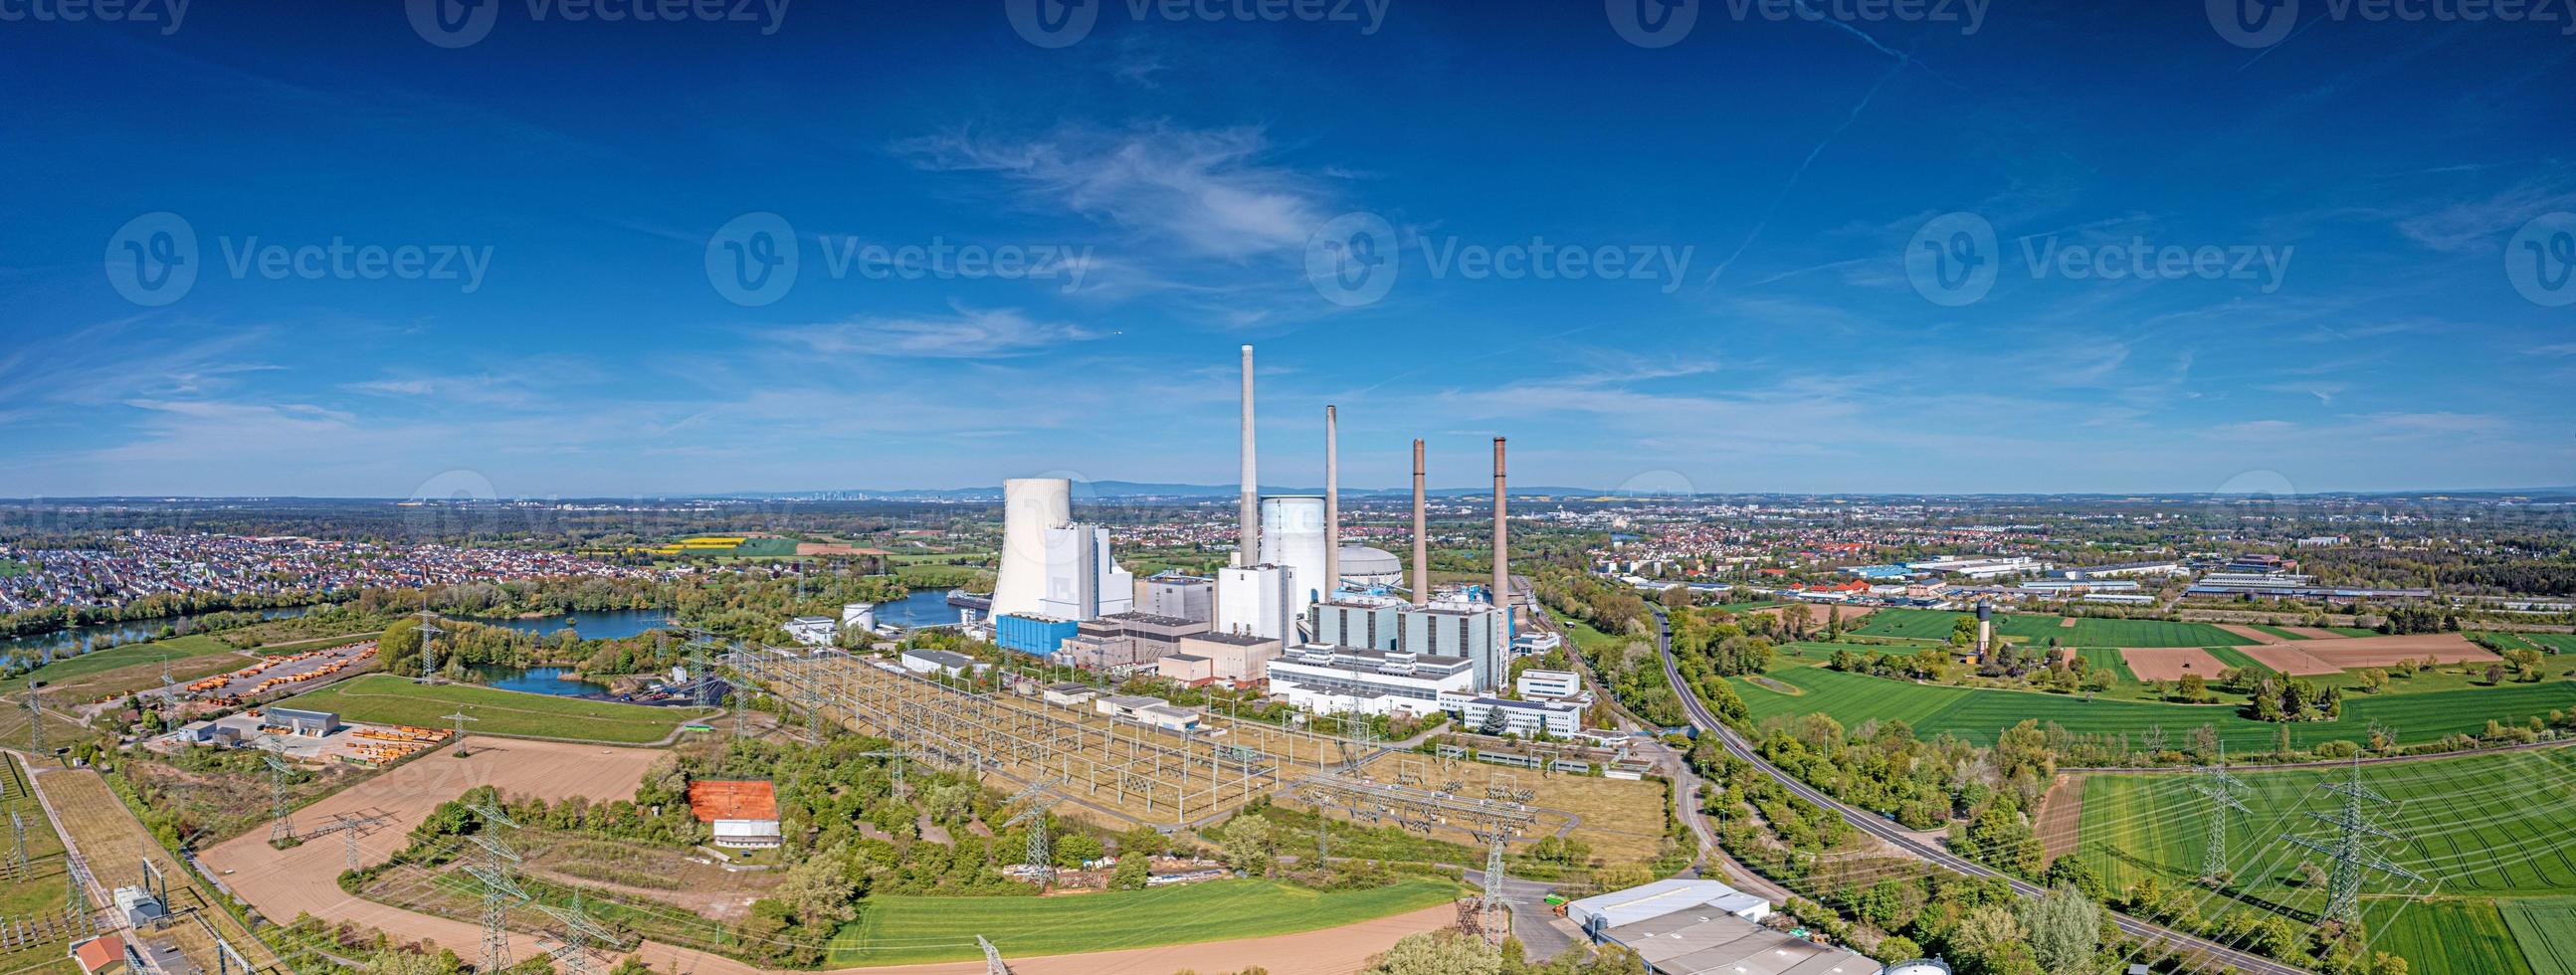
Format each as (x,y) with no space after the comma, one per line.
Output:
(1326,679)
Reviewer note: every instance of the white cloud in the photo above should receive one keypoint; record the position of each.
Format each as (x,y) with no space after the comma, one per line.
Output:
(1206,189)
(968,334)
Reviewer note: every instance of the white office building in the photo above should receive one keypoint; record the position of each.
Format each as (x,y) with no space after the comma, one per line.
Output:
(1550,683)
(1559,719)
(1082,581)
(1325,679)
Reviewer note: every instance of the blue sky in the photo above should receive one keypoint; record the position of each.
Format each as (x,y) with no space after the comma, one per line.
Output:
(2358,187)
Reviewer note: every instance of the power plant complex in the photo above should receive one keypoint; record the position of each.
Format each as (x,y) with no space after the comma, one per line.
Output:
(1334,628)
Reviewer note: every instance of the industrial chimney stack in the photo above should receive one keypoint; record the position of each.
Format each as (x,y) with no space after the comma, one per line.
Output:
(1248,540)
(1502,541)
(1332,505)
(1421,535)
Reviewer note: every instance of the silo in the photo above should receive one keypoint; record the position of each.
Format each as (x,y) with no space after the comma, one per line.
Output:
(1293,535)
(1030,506)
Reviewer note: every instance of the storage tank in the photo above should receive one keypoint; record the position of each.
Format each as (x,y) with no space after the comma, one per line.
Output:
(1293,535)
(1030,506)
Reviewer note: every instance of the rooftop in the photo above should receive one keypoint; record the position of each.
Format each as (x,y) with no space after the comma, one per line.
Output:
(712,800)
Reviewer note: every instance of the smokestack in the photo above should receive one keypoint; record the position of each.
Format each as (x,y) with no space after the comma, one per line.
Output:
(1421,535)
(1502,541)
(1332,503)
(1248,540)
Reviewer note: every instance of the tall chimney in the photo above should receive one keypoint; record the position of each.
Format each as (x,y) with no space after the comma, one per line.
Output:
(1502,541)
(1421,535)
(1248,540)
(1332,503)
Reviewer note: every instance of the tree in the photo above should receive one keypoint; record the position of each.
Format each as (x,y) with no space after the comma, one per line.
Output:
(2372,679)
(2064,928)
(1438,953)
(1131,873)
(1143,841)
(818,890)
(1986,933)
(1248,844)
(2194,687)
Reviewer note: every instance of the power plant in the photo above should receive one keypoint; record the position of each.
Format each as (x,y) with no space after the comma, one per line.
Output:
(1288,574)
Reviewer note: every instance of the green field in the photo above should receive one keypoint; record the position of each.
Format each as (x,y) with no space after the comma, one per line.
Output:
(2107,659)
(1934,624)
(2236,658)
(910,930)
(175,648)
(2279,632)
(12,567)
(1977,714)
(384,699)
(2491,828)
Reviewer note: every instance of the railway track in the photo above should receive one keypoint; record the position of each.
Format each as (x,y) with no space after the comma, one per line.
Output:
(1906,843)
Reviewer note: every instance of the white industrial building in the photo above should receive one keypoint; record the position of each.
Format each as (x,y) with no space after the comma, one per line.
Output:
(1550,683)
(813,631)
(1292,535)
(1326,679)
(1147,710)
(921,661)
(1703,927)
(1442,628)
(861,617)
(1082,581)
(1254,600)
(1181,597)
(1981,567)
(1558,719)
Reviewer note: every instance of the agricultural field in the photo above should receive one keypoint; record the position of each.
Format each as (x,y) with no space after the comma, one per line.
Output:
(2487,829)
(2107,659)
(1977,714)
(1931,624)
(2543,642)
(2236,658)
(909,930)
(384,699)
(174,649)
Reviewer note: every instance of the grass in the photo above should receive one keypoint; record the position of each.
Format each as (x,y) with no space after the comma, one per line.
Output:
(2489,827)
(1933,624)
(2236,658)
(13,567)
(131,654)
(385,699)
(1976,715)
(2107,659)
(2552,642)
(909,930)
(2279,632)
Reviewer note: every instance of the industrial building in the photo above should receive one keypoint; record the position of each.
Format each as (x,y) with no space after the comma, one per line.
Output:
(921,661)
(1978,567)
(1328,679)
(303,724)
(1445,628)
(1032,633)
(1179,596)
(1703,927)
(1550,683)
(1234,658)
(1254,600)
(741,814)
(1122,642)
(1082,581)
(813,631)
(1148,711)
(1557,719)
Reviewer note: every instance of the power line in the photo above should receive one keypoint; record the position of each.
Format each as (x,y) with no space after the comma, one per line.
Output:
(2224,791)
(2351,849)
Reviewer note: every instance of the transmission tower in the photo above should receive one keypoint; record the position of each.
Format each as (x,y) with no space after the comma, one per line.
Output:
(895,757)
(578,933)
(1496,919)
(458,720)
(1041,797)
(281,828)
(36,716)
(17,845)
(76,887)
(2225,791)
(348,827)
(428,653)
(499,888)
(992,958)
(2350,847)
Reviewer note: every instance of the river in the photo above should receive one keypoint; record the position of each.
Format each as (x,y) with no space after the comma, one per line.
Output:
(533,680)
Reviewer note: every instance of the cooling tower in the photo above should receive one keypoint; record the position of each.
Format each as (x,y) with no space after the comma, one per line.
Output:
(1292,535)
(1030,506)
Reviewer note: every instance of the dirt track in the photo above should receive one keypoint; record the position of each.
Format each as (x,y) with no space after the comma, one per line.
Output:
(2170,663)
(2061,812)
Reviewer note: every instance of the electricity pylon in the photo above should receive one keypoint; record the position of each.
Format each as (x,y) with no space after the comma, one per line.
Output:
(579,931)
(1041,797)
(2350,848)
(499,888)
(36,716)
(458,720)
(428,654)
(2225,791)
(992,958)
(282,827)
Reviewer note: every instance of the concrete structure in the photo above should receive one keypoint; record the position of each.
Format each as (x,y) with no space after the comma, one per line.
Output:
(943,662)
(1031,633)
(1254,600)
(1502,591)
(1332,502)
(1702,927)
(813,631)
(859,616)
(1550,683)
(742,814)
(1421,534)
(139,908)
(1558,719)
(1126,641)
(1148,710)
(1233,657)
(1030,506)
(1186,669)
(1247,539)
(1446,628)
(1082,581)
(1365,566)
(1069,694)
(1326,679)
(1292,535)
(1181,597)
(303,724)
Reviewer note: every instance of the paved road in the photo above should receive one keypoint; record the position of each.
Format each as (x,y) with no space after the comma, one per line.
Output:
(1909,844)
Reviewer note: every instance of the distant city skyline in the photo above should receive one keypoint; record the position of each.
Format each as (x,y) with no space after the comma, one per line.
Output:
(323,250)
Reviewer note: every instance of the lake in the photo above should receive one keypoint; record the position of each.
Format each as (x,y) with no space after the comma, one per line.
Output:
(606,624)
(924,607)
(46,647)
(533,680)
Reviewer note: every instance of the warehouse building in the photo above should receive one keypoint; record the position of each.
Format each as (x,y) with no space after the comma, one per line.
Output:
(1703,927)
(1326,679)
(304,724)
(1033,634)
